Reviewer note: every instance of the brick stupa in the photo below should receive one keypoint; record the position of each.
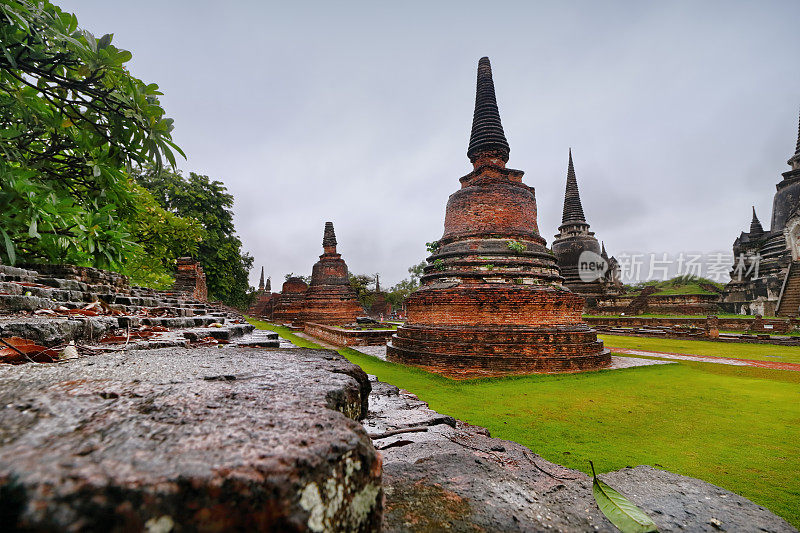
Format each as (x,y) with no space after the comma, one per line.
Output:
(330,298)
(574,239)
(491,300)
(262,298)
(289,304)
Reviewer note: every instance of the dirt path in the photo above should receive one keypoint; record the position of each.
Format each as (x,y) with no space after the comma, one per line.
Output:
(709,359)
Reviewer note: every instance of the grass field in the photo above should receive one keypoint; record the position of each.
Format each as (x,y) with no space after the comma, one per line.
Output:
(758,352)
(719,315)
(736,427)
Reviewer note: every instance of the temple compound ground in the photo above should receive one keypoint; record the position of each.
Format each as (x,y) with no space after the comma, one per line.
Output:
(491,300)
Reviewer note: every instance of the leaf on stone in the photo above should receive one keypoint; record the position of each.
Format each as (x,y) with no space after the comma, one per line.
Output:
(15,350)
(619,510)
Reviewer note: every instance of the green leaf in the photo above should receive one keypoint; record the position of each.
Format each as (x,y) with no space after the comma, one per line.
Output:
(33,229)
(619,510)
(105,40)
(12,256)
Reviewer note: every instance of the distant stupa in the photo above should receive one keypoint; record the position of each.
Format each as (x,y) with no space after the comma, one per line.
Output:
(330,298)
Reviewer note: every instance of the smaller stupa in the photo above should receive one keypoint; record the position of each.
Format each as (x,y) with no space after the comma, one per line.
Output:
(380,308)
(262,298)
(330,299)
(289,304)
(575,244)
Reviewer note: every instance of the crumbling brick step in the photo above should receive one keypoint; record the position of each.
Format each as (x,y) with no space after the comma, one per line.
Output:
(211,438)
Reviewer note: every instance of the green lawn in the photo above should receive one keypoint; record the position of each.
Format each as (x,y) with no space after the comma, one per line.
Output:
(737,427)
(719,315)
(758,352)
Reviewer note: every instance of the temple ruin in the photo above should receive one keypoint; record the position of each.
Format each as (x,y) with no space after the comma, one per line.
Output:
(765,278)
(263,297)
(330,299)
(190,280)
(380,308)
(491,300)
(289,304)
(575,244)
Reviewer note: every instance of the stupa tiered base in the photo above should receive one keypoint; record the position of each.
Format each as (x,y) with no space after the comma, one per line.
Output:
(495,330)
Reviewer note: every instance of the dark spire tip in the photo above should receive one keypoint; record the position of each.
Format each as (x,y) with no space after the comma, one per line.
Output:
(329,237)
(487,134)
(573,209)
(755,224)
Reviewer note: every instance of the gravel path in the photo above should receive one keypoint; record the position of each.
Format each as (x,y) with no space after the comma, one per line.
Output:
(712,359)
(616,362)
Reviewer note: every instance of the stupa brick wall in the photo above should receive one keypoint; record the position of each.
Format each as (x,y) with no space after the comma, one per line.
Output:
(491,300)
(330,299)
(289,304)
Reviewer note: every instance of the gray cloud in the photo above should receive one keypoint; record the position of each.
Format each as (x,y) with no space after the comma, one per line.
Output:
(680,114)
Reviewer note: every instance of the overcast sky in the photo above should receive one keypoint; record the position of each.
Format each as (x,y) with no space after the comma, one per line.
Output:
(680,115)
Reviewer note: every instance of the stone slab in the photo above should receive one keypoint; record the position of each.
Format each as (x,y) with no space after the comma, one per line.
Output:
(216,438)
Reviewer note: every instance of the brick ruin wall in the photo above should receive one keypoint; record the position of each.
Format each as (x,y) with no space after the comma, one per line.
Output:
(661,304)
(190,279)
(754,324)
(348,337)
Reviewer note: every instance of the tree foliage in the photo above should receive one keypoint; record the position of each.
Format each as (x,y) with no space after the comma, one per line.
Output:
(72,121)
(400,291)
(306,279)
(164,236)
(360,284)
(208,203)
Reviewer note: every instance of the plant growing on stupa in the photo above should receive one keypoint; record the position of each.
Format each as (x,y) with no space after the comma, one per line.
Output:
(516,246)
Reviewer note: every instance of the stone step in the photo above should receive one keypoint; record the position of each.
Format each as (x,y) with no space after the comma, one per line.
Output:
(54,331)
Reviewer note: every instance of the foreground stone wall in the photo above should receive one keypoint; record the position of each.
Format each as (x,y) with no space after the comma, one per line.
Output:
(207,439)
(441,474)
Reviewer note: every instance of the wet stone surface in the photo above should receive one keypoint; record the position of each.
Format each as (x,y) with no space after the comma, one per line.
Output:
(216,438)
(444,476)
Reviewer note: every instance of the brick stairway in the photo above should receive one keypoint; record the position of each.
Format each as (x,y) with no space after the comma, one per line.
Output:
(789,302)
(56,304)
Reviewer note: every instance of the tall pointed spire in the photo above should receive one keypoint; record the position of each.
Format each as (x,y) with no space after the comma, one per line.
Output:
(573,210)
(794,161)
(268,287)
(377,283)
(329,238)
(603,253)
(797,149)
(487,131)
(261,282)
(755,224)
